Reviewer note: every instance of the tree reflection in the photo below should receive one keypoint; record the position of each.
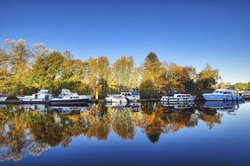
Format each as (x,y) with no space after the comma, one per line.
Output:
(27,131)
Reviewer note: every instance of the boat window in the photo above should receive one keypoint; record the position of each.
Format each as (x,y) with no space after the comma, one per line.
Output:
(178,95)
(183,95)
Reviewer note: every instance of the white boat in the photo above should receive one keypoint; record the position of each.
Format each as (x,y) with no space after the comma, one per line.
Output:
(177,97)
(3,97)
(66,97)
(245,94)
(222,95)
(42,95)
(116,99)
(132,95)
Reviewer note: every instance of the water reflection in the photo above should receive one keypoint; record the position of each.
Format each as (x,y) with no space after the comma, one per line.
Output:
(229,107)
(173,106)
(32,129)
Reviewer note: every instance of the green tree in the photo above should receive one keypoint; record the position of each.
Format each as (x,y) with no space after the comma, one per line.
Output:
(46,71)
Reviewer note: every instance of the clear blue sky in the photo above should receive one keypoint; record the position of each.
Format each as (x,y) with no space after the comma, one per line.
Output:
(186,32)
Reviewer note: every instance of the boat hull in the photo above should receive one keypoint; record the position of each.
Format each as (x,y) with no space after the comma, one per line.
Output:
(211,97)
(31,99)
(170,99)
(114,100)
(63,102)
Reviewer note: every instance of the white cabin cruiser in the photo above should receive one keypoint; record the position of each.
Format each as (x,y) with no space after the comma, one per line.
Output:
(42,95)
(132,95)
(178,97)
(3,97)
(222,95)
(116,99)
(245,94)
(66,97)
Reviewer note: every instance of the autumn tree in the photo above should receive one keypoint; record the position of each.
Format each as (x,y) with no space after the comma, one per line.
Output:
(190,86)
(99,68)
(241,86)
(46,70)
(153,76)
(19,55)
(207,78)
(122,73)
(4,72)
(176,77)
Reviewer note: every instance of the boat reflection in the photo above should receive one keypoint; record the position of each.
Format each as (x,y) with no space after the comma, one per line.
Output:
(132,106)
(228,107)
(45,109)
(175,106)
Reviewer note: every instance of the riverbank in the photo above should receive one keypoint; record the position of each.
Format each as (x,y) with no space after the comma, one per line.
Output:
(91,101)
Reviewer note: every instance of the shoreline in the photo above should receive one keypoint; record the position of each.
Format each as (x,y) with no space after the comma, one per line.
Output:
(91,101)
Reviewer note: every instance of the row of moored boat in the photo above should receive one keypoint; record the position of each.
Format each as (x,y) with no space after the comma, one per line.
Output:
(68,97)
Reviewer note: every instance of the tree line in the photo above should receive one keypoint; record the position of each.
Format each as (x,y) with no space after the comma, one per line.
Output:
(25,69)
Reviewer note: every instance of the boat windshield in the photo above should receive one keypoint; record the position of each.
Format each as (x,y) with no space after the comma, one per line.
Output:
(217,91)
(44,91)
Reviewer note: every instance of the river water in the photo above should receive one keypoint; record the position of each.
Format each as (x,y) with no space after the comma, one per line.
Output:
(150,133)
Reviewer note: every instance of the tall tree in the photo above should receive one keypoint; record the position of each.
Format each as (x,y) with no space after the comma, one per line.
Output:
(19,55)
(99,69)
(153,75)
(122,73)
(4,72)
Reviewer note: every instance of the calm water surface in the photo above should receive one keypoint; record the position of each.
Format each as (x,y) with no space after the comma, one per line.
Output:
(209,133)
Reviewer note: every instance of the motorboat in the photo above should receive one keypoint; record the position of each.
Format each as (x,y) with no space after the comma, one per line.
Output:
(245,94)
(66,97)
(132,95)
(42,95)
(3,97)
(223,95)
(177,97)
(116,99)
